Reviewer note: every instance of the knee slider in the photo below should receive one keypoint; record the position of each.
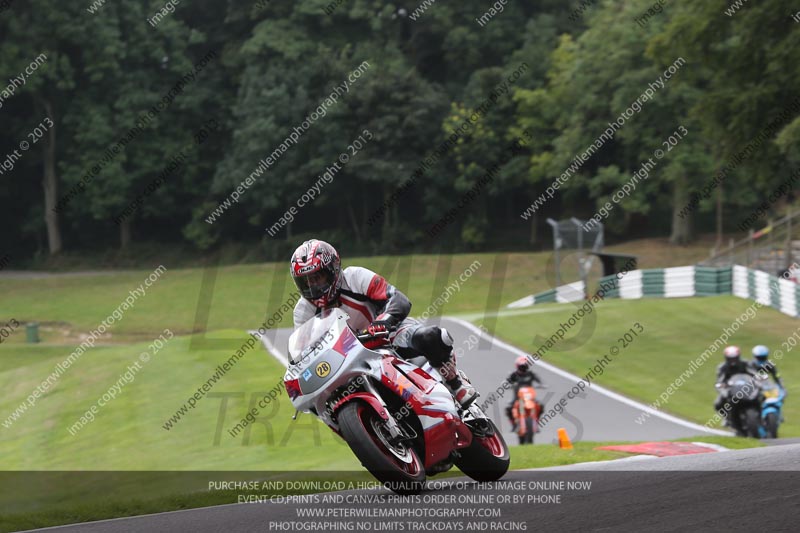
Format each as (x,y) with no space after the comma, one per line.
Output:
(433,342)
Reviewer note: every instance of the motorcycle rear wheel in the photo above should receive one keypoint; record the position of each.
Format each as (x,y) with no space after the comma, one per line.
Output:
(397,466)
(487,457)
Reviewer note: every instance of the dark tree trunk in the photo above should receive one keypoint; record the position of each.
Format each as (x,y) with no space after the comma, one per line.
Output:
(125,234)
(719,216)
(385,223)
(50,185)
(351,213)
(681,226)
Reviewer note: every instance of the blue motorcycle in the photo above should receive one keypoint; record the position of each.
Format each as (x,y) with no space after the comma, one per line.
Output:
(771,406)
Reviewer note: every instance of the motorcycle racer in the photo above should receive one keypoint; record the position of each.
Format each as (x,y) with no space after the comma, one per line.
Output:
(523,376)
(761,362)
(372,304)
(733,364)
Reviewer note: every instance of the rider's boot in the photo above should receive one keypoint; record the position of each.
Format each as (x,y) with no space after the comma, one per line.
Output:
(462,389)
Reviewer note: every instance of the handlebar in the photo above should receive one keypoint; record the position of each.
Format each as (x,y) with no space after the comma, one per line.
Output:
(365,336)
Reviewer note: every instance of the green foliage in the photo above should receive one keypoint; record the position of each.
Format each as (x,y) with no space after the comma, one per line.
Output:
(277,61)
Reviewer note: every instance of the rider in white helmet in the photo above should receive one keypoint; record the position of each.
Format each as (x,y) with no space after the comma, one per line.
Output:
(733,364)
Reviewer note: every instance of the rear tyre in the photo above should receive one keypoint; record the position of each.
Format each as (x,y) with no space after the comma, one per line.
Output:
(396,465)
(752,419)
(771,425)
(487,457)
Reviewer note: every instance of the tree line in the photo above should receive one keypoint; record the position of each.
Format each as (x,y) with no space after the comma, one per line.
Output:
(101,143)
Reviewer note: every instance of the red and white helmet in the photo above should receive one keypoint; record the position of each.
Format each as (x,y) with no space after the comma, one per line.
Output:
(316,270)
(732,353)
(522,364)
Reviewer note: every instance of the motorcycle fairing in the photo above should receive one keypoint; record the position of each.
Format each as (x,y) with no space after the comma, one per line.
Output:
(432,403)
(348,360)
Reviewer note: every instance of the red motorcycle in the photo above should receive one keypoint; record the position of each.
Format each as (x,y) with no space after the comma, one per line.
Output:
(396,415)
(526,414)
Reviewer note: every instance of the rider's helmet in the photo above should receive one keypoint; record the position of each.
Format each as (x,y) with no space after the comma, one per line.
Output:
(522,364)
(316,270)
(760,354)
(732,354)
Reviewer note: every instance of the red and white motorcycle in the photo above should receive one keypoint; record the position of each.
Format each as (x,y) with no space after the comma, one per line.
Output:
(396,415)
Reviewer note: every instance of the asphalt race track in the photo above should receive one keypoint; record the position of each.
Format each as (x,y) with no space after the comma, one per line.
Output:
(743,490)
(594,415)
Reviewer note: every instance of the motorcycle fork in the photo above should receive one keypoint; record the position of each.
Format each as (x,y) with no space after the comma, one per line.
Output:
(391,423)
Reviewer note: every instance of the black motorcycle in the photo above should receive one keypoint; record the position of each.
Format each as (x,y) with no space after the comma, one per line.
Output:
(743,393)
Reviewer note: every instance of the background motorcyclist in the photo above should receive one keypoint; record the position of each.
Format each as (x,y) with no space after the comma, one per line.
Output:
(761,362)
(523,376)
(733,364)
(374,305)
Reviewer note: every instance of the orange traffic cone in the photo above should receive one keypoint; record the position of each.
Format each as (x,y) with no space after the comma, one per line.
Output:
(563,439)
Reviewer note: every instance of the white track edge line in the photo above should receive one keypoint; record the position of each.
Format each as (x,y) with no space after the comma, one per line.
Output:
(632,458)
(598,388)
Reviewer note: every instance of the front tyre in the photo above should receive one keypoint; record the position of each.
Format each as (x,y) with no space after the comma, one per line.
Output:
(396,465)
(487,457)
(752,419)
(529,427)
(771,425)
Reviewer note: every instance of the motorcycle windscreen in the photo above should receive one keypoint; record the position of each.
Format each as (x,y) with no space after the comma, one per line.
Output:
(743,387)
(316,334)
(313,359)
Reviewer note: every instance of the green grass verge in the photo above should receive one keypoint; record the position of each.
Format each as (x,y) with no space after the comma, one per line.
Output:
(72,304)
(676,332)
(128,432)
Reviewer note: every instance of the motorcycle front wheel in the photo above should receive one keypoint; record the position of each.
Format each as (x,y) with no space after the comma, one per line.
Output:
(396,465)
(771,425)
(527,436)
(487,457)
(752,419)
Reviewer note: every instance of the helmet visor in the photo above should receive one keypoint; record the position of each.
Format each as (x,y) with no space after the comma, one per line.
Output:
(314,285)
